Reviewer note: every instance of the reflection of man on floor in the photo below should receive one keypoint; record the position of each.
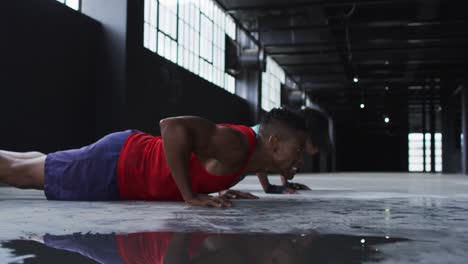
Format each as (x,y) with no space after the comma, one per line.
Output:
(216,248)
(171,247)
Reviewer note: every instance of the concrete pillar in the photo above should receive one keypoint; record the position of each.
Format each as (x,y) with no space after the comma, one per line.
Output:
(112,77)
(432,119)
(464,119)
(323,167)
(423,124)
(332,153)
(449,139)
(248,82)
(247,87)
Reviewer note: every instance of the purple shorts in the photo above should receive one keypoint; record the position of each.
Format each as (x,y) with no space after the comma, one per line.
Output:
(85,174)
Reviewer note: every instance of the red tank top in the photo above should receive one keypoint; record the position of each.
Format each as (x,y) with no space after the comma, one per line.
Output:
(143,173)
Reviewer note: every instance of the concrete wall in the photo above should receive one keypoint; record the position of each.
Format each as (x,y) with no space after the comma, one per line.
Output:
(47,76)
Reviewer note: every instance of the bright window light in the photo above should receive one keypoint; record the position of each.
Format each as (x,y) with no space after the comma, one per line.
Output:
(74,4)
(272,79)
(230,27)
(190,33)
(230,83)
(416,152)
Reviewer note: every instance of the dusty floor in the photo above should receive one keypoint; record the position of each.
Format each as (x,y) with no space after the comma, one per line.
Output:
(346,218)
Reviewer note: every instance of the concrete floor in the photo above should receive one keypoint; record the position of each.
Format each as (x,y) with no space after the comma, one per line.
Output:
(352,218)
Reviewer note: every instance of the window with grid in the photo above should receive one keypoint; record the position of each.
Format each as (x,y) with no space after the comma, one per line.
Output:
(75,4)
(416,152)
(230,29)
(272,79)
(167,30)
(191,33)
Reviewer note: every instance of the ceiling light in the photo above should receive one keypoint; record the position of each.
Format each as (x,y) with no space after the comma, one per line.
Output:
(355,79)
(387,119)
(362,106)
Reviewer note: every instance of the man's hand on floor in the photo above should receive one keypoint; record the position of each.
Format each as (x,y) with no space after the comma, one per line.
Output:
(280,189)
(208,200)
(297,186)
(233,194)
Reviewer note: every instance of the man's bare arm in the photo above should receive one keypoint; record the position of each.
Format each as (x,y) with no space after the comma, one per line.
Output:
(184,135)
(270,188)
(263,178)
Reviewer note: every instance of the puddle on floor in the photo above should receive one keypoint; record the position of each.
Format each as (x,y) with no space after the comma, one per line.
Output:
(199,247)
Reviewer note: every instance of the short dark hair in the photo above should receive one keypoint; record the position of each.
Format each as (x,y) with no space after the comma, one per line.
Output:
(284,117)
(318,129)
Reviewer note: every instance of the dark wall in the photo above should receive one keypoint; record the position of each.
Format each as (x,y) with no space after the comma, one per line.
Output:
(362,151)
(364,142)
(47,76)
(162,89)
(158,88)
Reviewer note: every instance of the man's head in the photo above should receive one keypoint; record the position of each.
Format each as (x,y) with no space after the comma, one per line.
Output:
(318,131)
(284,135)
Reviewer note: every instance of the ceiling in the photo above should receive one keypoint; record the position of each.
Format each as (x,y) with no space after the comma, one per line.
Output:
(403,53)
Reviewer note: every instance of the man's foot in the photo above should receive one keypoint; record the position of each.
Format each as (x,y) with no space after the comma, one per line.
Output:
(33,237)
(22,173)
(5,167)
(21,155)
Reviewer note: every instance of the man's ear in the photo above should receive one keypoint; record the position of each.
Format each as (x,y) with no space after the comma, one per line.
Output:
(271,139)
(273,142)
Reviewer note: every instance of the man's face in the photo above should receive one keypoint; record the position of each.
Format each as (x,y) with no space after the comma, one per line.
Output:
(287,152)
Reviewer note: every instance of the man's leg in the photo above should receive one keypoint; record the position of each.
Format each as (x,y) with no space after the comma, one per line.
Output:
(22,173)
(22,155)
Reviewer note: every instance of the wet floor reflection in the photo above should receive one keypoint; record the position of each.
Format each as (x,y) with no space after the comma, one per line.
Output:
(173,247)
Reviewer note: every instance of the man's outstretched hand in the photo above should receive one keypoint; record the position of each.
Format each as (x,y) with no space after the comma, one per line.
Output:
(288,188)
(280,189)
(297,186)
(233,194)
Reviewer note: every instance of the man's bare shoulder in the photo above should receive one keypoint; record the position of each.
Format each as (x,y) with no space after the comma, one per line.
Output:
(231,145)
